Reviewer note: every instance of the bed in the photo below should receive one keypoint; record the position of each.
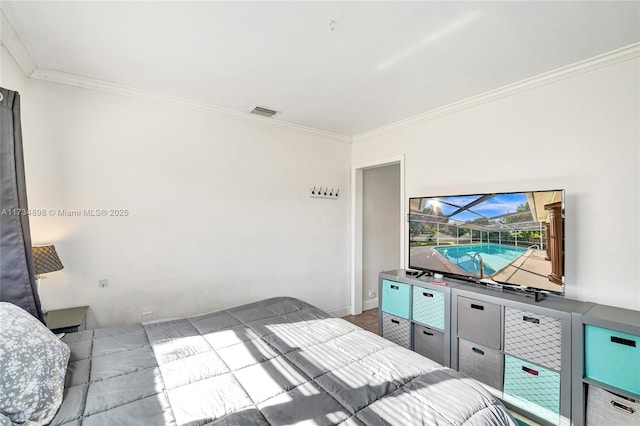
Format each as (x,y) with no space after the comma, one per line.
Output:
(274,362)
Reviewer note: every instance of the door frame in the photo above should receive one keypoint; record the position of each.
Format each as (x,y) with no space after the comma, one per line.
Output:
(357,188)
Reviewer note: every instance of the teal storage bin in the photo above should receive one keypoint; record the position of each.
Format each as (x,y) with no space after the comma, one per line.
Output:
(612,357)
(532,388)
(396,298)
(428,307)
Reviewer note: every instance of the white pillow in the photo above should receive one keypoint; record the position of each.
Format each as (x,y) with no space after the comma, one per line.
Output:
(33,363)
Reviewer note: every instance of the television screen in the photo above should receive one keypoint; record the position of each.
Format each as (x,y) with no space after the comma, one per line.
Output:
(514,238)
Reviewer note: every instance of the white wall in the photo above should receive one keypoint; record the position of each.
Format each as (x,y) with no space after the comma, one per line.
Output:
(219,209)
(580,133)
(11,75)
(240,190)
(380,230)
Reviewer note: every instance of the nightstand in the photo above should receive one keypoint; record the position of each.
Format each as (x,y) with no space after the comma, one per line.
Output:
(66,320)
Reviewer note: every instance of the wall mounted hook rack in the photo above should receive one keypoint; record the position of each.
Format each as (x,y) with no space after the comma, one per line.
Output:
(324,192)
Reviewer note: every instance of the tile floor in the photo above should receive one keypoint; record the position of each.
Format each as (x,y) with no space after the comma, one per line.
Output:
(367,320)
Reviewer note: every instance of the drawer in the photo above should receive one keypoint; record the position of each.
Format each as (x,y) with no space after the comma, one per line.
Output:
(479,322)
(533,337)
(396,298)
(428,307)
(428,342)
(608,409)
(480,362)
(612,357)
(532,388)
(396,329)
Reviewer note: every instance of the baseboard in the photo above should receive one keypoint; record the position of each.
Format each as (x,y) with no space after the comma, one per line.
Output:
(340,312)
(370,304)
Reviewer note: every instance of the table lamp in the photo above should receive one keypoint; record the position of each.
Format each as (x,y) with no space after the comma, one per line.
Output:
(45,260)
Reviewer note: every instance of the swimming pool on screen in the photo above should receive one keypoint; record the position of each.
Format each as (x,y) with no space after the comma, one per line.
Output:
(494,256)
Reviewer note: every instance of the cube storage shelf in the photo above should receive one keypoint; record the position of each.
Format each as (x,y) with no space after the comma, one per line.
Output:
(607,380)
(524,352)
(415,314)
(526,344)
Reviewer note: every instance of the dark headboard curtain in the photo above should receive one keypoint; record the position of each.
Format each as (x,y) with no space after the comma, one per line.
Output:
(17,280)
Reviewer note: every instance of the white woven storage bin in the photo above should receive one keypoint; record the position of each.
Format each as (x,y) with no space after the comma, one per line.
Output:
(607,409)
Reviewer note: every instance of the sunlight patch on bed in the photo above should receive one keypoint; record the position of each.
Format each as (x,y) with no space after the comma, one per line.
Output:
(270,378)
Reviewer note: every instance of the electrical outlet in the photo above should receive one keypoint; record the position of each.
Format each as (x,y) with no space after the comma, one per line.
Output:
(372,294)
(103,283)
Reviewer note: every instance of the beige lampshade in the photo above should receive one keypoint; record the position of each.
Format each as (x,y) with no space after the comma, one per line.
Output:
(45,259)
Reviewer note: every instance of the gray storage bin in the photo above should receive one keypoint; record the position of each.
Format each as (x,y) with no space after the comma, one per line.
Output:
(481,362)
(396,329)
(533,337)
(608,409)
(428,342)
(479,322)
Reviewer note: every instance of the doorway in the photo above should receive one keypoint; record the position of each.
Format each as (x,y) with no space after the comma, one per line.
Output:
(378,227)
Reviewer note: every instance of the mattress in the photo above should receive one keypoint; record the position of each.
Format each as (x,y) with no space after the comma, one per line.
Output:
(274,362)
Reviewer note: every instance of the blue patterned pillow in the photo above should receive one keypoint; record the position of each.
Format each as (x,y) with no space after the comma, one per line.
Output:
(33,363)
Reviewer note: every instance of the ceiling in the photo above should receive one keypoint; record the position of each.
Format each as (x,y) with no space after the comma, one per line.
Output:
(341,67)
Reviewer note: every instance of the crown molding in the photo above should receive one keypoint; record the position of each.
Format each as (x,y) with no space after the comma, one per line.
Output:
(14,45)
(10,39)
(16,48)
(119,89)
(594,63)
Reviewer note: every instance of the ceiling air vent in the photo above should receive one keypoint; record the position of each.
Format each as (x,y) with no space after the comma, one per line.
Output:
(264,111)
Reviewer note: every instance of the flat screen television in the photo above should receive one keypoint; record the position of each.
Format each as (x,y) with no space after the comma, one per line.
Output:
(512,238)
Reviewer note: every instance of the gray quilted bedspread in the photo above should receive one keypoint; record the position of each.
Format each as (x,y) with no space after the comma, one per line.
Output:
(275,362)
